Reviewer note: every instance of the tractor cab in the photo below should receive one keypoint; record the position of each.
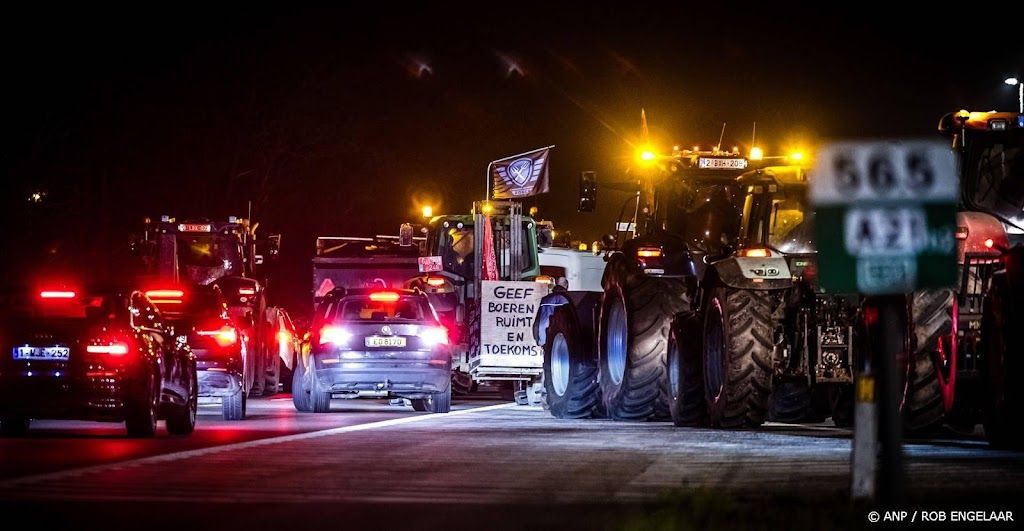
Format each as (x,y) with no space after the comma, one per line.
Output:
(990,151)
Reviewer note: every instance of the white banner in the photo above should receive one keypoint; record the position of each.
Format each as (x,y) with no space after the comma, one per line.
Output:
(507,310)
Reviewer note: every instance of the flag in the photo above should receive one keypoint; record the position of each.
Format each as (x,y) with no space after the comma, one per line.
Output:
(489,264)
(521,175)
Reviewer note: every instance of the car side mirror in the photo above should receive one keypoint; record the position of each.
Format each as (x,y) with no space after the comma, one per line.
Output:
(588,191)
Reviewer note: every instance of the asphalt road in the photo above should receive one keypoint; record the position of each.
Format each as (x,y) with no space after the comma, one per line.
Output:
(486,465)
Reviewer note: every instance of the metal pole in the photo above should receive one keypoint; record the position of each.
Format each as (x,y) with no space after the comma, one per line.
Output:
(487,181)
(1020,96)
(890,341)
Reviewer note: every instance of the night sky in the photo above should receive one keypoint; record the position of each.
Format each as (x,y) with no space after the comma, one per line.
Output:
(344,121)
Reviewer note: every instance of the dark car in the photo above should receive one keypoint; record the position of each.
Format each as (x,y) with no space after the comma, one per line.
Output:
(101,355)
(200,315)
(379,343)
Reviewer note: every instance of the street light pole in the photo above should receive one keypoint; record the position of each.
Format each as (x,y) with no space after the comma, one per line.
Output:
(1012,81)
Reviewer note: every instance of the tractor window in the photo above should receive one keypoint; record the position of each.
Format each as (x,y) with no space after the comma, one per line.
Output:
(993,173)
(204,258)
(786,216)
(456,250)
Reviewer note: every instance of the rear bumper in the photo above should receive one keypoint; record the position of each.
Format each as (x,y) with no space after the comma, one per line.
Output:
(218,383)
(97,396)
(219,375)
(398,378)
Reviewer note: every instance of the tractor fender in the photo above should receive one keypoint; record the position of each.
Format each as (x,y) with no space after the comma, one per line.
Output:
(768,273)
(551,302)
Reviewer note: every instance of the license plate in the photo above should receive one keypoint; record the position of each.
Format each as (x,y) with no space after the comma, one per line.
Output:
(42,353)
(376,341)
(722,164)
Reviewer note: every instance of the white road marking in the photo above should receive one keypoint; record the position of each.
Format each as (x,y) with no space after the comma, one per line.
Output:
(189,454)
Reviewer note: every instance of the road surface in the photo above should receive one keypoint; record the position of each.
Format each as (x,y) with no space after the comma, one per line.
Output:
(486,465)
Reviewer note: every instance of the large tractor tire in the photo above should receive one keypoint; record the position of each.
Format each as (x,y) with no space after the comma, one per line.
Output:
(929,389)
(737,357)
(791,402)
(686,374)
(1002,345)
(636,319)
(570,372)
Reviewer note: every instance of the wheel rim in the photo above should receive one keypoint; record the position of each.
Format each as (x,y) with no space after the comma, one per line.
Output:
(713,370)
(559,364)
(673,364)
(616,342)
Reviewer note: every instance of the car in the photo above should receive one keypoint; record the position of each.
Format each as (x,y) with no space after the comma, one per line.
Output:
(200,316)
(380,343)
(93,354)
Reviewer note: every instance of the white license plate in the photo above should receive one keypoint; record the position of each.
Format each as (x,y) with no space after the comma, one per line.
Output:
(42,353)
(722,164)
(376,341)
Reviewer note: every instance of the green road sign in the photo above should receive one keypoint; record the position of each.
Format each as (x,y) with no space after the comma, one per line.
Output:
(885,216)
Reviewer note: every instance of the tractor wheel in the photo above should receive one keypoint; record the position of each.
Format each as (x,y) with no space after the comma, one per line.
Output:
(928,391)
(570,373)
(737,357)
(636,320)
(1001,347)
(685,373)
(790,402)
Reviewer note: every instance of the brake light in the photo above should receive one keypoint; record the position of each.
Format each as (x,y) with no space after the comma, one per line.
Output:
(246,291)
(165,296)
(435,282)
(384,296)
(57,294)
(224,336)
(435,335)
(113,349)
(334,335)
(648,252)
(755,252)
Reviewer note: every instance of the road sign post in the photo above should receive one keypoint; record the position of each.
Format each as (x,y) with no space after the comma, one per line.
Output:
(885,227)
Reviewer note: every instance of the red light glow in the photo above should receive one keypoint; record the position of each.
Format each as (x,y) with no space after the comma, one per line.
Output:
(225,336)
(384,296)
(113,349)
(57,294)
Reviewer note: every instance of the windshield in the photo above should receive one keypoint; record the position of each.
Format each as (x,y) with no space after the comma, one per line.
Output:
(456,248)
(992,168)
(203,258)
(784,223)
(406,309)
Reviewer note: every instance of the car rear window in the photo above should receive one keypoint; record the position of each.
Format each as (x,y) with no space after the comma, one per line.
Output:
(364,309)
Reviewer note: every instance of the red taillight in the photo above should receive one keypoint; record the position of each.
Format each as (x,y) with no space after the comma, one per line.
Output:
(755,252)
(113,349)
(57,294)
(435,282)
(225,336)
(384,296)
(335,335)
(246,291)
(648,252)
(165,296)
(435,335)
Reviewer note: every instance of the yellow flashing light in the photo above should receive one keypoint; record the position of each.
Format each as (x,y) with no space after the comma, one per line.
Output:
(756,153)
